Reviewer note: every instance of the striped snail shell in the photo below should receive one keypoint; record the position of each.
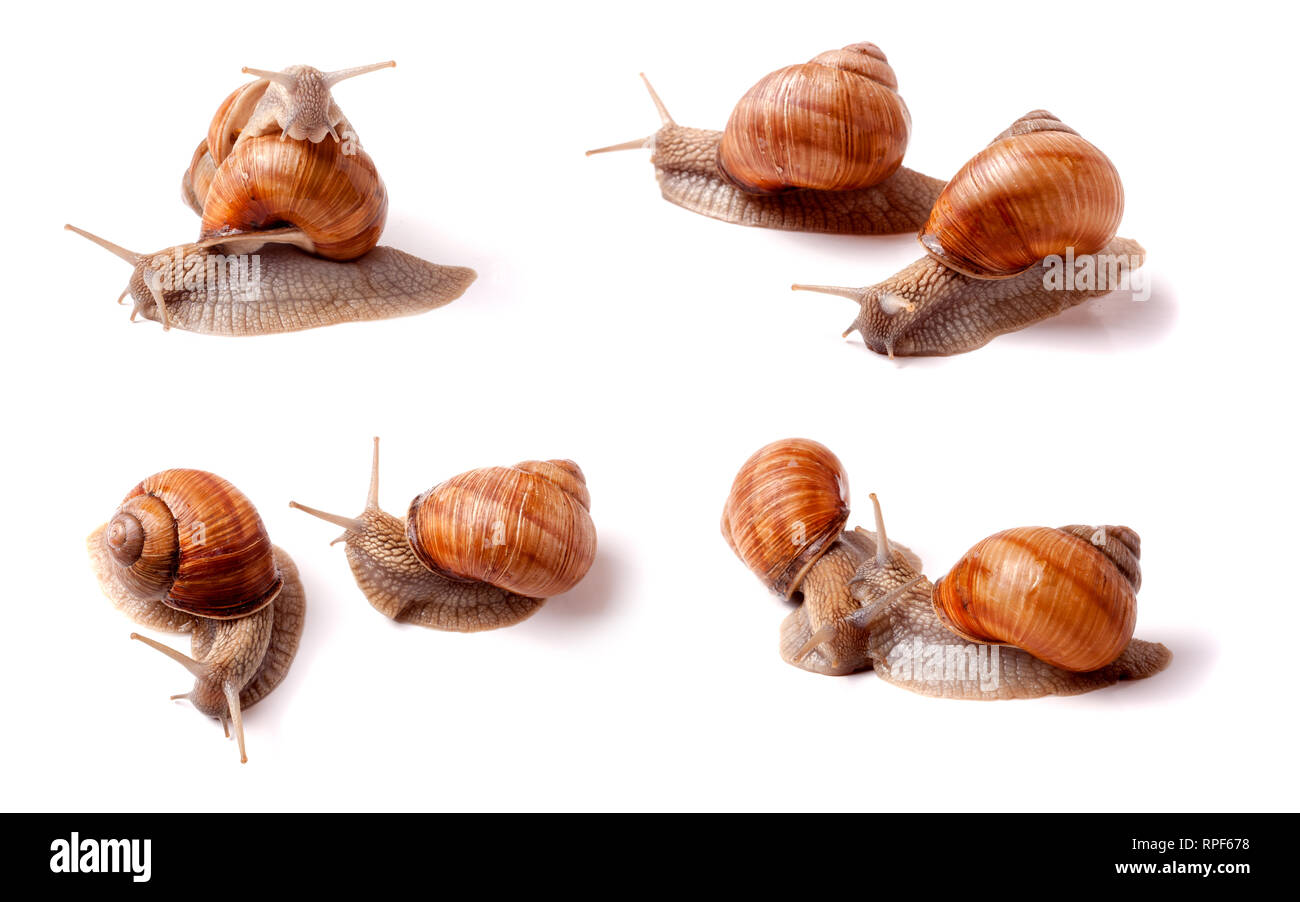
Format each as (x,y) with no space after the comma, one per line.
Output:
(1067,596)
(1036,190)
(268,161)
(232,117)
(834,123)
(526,529)
(333,195)
(786,508)
(194,540)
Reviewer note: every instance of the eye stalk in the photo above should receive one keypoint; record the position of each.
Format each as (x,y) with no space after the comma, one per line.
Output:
(299,102)
(478,551)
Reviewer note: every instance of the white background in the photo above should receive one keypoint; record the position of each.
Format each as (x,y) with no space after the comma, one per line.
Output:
(658,349)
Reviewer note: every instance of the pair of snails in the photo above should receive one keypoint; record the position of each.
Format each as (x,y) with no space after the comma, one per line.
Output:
(818,147)
(292,209)
(1059,605)
(187,552)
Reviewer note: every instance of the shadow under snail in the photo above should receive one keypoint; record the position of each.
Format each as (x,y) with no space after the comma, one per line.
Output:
(1057,605)
(282,173)
(480,551)
(186,552)
(818,147)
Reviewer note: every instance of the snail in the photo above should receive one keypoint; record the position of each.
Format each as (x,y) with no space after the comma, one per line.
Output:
(480,551)
(187,552)
(1057,605)
(1025,230)
(815,147)
(292,209)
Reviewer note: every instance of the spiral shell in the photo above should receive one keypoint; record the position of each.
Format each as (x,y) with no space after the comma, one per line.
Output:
(329,190)
(525,529)
(1067,596)
(834,123)
(231,117)
(198,178)
(195,539)
(223,131)
(1038,189)
(786,508)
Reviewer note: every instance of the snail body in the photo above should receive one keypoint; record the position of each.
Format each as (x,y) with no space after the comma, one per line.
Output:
(187,552)
(336,199)
(478,551)
(214,288)
(1068,596)
(1038,191)
(815,147)
(286,195)
(787,507)
(1058,604)
(834,123)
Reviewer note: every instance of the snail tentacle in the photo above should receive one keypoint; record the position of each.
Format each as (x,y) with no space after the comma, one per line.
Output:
(236,717)
(298,102)
(186,551)
(400,565)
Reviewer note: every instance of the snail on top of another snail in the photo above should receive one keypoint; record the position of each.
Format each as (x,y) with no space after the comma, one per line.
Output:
(186,552)
(282,173)
(479,551)
(1025,613)
(818,147)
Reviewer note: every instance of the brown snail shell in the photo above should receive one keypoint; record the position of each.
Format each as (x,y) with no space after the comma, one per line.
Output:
(231,118)
(786,508)
(834,123)
(290,229)
(1038,189)
(525,529)
(195,540)
(1067,596)
(249,175)
(198,178)
(330,192)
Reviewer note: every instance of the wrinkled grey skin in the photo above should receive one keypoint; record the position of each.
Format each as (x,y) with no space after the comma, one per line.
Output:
(400,587)
(884,639)
(235,663)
